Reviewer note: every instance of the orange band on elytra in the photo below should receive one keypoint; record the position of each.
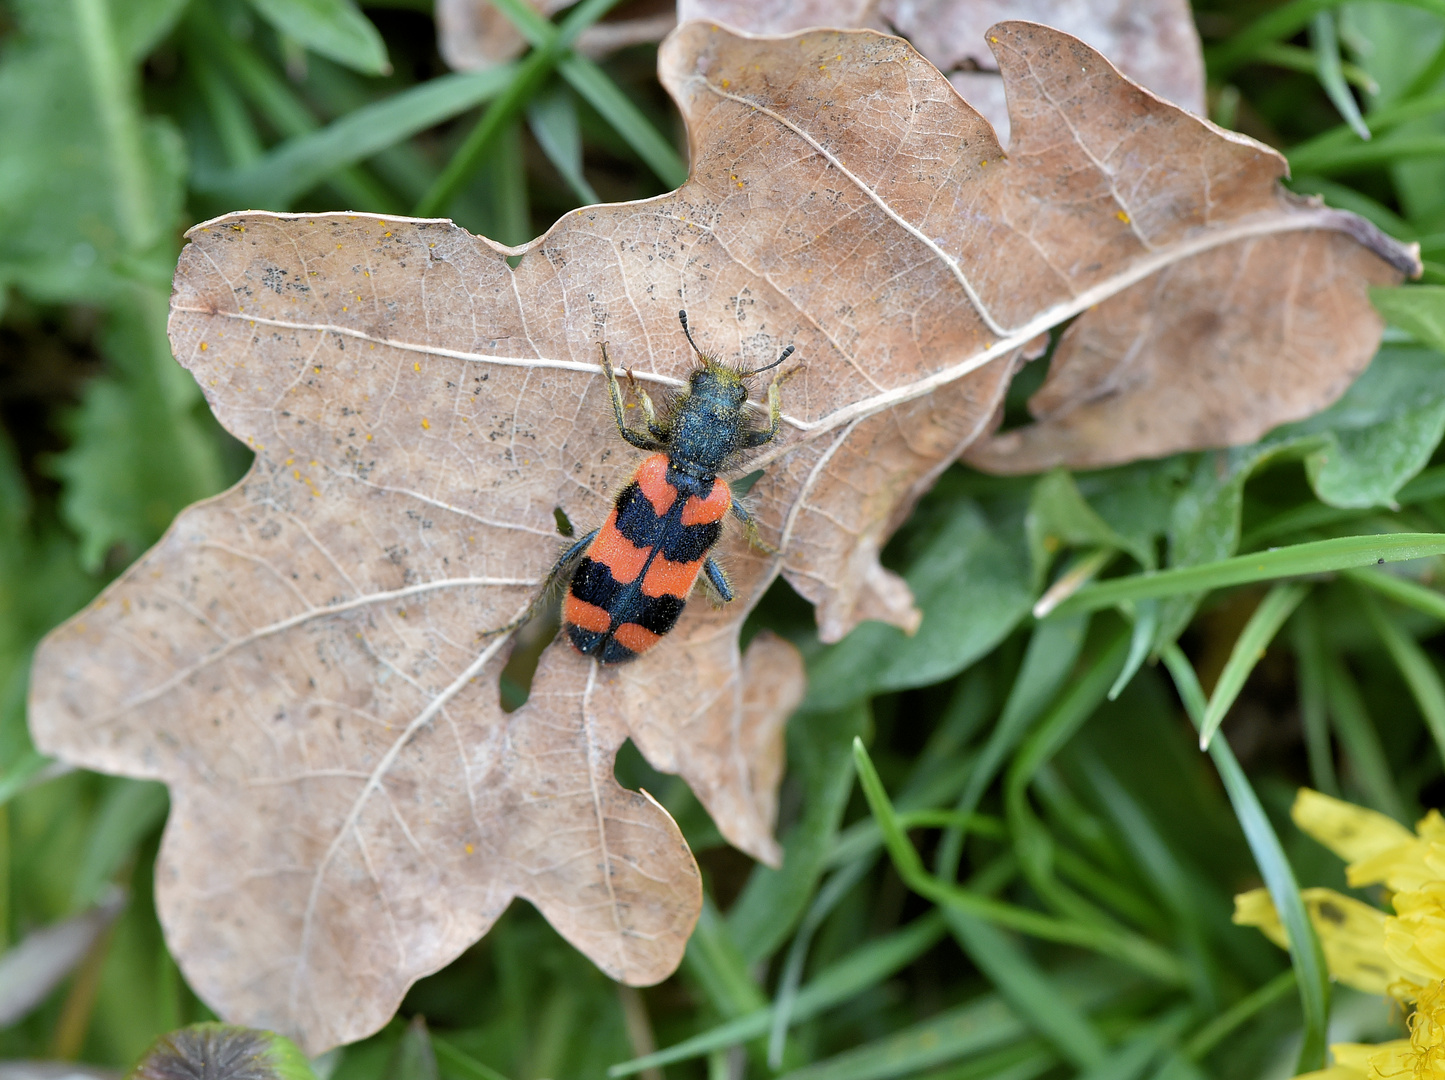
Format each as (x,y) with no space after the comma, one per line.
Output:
(665,578)
(651,477)
(587,616)
(619,554)
(634,637)
(714,508)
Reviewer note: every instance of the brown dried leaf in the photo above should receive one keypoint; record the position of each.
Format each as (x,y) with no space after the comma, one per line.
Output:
(310,660)
(1153,42)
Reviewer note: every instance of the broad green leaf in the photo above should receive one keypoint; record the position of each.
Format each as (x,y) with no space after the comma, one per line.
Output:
(973,586)
(1059,516)
(334,28)
(1419,309)
(139,450)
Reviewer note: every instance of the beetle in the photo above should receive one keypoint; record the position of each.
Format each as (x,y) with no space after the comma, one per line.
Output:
(630,578)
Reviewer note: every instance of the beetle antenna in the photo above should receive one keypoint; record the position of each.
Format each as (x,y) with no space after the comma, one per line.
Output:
(682,318)
(757,371)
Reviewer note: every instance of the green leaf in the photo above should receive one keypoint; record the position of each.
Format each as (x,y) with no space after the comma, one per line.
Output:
(1059,516)
(973,587)
(140,450)
(333,28)
(89,188)
(222,1052)
(1418,309)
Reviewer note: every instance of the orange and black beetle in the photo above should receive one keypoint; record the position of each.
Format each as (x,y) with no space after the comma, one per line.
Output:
(631,577)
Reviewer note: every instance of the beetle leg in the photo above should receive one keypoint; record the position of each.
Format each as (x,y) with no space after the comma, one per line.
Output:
(636,438)
(718,579)
(755,538)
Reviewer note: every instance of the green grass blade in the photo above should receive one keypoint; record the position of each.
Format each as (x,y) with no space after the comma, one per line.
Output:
(1360,740)
(274,99)
(1141,638)
(1415,666)
(1226,1023)
(1294,58)
(1403,590)
(1333,159)
(1314,557)
(713,959)
(333,28)
(842,882)
(1314,712)
(1053,648)
(612,105)
(865,967)
(1140,954)
(1248,650)
(455,1063)
(130,810)
(1304,944)
(983,1024)
(1325,40)
(299,164)
(1028,989)
(553,120)
(1280,24)
(527,79)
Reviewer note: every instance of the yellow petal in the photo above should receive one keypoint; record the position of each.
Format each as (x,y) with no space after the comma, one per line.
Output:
(1351,832)
(1415,938)
(1352,933)
(1255,908)
(1357,1055)
(1396,1060)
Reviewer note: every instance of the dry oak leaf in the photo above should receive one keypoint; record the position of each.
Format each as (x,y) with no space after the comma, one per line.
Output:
(310,660)
(1153,42)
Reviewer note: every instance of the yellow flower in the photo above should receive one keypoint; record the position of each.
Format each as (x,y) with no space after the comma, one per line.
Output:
(1401,954)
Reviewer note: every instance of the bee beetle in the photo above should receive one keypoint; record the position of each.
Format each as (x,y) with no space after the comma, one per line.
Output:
(631,577)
